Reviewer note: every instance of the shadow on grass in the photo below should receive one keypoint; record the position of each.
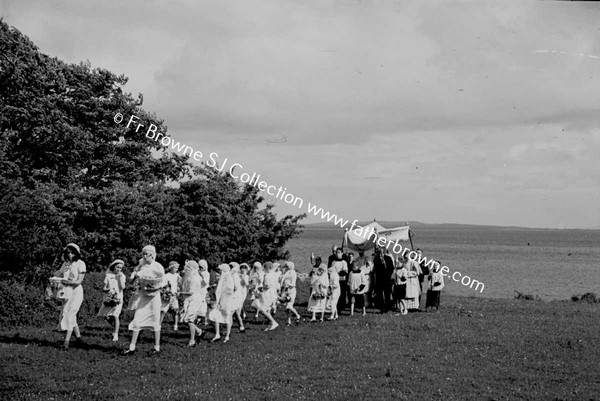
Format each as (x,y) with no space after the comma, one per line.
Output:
(44,342)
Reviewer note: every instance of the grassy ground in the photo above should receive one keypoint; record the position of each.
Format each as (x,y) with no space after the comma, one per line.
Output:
(472,349)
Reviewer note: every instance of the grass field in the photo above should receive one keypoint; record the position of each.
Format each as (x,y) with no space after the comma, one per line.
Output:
(471,349)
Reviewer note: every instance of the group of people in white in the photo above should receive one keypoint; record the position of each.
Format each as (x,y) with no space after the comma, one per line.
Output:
(156,292)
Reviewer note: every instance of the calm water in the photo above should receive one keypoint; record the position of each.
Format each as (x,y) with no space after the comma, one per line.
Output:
(555,265)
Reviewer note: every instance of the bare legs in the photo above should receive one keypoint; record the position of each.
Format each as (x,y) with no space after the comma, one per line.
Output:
(274,324)
(134,337)
(238,314)
(218,333)
(194,330)
(314,316)
(289,311)
(69,334)
(175,312)
(116,323)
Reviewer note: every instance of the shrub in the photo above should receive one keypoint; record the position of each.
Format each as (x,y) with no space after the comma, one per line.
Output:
(588,297)
(24,305)
(526,297)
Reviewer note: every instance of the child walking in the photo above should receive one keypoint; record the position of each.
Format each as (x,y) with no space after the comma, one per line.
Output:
(114,283)
(170,302)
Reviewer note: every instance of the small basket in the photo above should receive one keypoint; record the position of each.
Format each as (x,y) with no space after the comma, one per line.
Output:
(152,282)
(59,290)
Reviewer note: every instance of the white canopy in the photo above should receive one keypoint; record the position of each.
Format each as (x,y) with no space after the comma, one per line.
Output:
(361,239)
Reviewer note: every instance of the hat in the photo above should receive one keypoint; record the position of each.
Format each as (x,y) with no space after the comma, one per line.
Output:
(173,263)
(116,262)
(203,264)
(268,265)
(233,265)
(276,265)
(257,264)
(289,265)
(192,264)
(244,266)
(74,247)
(224,267)
(149,248)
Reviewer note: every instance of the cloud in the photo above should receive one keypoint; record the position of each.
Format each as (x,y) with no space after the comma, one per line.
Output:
(426,111)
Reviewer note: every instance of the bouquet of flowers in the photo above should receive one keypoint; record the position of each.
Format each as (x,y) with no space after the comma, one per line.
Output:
(165,294)
(112,299)
(320,294)
(284,297)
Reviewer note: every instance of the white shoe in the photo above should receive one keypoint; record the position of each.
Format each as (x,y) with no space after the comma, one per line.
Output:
(273,327)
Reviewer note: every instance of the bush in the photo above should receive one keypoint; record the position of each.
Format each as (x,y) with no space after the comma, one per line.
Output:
(588,297)
(24,305)
(526,297)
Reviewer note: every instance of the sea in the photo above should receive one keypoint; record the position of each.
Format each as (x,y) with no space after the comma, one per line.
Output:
(551,264)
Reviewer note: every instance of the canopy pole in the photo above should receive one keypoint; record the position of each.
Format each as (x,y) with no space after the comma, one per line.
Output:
(410,234)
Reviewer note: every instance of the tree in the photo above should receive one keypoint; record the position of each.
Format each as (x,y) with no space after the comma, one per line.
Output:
(68,173)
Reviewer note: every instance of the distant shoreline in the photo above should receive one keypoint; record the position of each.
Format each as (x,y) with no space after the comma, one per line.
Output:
(418,224)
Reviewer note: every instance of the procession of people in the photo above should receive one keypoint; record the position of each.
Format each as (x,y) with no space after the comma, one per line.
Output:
(385,282)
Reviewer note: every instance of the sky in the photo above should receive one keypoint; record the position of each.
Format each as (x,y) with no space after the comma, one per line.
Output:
(439,112)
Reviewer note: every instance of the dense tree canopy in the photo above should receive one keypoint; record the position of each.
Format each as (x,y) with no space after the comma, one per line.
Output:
(68,173)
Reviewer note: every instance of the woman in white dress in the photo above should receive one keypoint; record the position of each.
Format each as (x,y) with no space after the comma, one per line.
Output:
(191,290)
(114,283)
(319,284)
(288,291)
(72,273)
(268,295)
(223,309)
(146,301)
(240,291)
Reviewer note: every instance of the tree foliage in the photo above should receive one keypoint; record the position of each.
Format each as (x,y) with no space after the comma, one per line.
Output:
(68,173)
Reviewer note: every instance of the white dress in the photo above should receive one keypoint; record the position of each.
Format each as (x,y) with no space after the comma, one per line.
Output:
(318,285)
(268,297)
(240,290)
(288,287)
(114,284)
(172,280)
(413,287)
(334,286)
(71,271)
(147,305)
(192,304)
(223,310)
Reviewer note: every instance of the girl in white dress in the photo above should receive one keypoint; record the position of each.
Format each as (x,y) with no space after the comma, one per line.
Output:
(319,284)
(223,309)
(257,276)
(268,295)
(204,281)
(240,291)
(170,289)
(288,291)
(114,283)
(146,301)
(72,273)
(191,290)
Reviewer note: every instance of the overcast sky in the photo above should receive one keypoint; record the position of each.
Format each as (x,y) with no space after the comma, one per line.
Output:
(463,112)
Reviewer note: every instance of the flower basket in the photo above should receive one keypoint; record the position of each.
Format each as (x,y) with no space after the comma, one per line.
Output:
(111,300)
